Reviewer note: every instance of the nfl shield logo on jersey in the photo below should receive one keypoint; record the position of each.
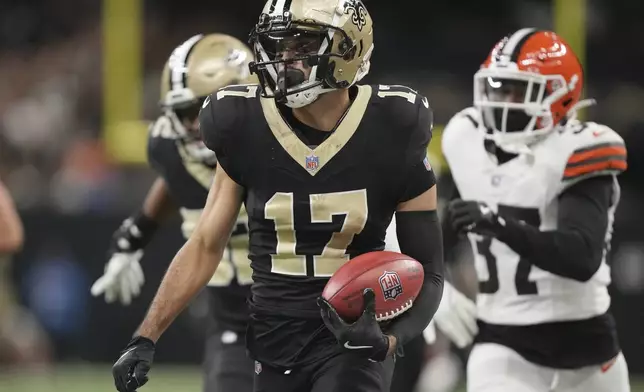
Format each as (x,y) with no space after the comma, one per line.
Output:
(258,367)
(390,285)
(312,162)
(426,163)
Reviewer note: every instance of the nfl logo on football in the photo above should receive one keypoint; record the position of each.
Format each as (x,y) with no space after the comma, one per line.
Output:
(312,162)
(390,285)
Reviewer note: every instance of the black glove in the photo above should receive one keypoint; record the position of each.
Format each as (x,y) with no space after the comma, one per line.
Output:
(475,217)
(134,233)
(363,336)
(131,370)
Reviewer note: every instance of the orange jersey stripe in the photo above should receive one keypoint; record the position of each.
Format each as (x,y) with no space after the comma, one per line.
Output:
(610,164)
(598,152)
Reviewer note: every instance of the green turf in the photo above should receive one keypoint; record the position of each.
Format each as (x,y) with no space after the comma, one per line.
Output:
(97,378)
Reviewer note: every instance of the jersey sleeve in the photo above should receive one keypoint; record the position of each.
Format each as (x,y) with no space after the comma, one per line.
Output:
(419,173)
(164,158)
(161,143)
(218,125)
(595,150)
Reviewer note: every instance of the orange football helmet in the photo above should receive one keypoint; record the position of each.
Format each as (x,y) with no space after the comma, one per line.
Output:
(529,83)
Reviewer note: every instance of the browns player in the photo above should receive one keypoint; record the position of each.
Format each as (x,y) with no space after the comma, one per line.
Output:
(196,68)
(321,163)
(538,192)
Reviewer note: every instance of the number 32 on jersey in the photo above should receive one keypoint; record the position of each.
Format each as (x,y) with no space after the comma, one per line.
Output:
(522,282)
(280,209)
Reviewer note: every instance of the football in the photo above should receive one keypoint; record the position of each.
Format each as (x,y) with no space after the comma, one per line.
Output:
(395,278)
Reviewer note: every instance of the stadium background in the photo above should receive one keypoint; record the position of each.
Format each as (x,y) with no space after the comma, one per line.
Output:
(79,82)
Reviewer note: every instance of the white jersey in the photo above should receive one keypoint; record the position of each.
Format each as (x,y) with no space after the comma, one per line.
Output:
(512,291)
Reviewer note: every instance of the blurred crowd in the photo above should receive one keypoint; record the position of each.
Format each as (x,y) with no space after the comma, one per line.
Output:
(51,151)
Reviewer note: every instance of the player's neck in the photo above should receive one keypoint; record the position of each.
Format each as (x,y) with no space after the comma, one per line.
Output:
(325,113)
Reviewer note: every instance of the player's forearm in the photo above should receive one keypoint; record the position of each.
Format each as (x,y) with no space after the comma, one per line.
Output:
(419,234)
(575,249)
(11,229)
(139,229)
(158,204)
(450,236)
(189,272)
(562,253)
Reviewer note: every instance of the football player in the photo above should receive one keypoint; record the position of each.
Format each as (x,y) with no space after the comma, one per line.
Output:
(538,192)
(321,163)
(185,166)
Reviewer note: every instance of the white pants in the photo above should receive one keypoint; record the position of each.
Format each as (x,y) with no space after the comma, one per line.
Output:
(495,368)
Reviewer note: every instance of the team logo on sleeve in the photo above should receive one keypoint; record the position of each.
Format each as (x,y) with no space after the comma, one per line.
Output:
(312,162)
(390,285)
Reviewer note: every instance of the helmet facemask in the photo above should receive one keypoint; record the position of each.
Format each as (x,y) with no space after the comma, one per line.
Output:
(516,105)
(292,58)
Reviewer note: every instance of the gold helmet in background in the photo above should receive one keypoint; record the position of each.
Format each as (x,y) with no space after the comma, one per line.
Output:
(195,69)
(200,66)
(332,37)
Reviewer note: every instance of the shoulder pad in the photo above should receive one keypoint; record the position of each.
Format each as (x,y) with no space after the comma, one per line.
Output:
(411,114)
(223,111)
(162,128)
(591,149)
(401,102)
(162,147)
(222,122)
(459,128)
(161,141)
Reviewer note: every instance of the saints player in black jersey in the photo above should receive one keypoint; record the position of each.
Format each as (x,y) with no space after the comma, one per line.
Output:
(196,68)
(321,164)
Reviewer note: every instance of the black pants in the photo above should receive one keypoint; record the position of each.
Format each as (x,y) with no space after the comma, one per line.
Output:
(341,373)
(227,367)
(408,368)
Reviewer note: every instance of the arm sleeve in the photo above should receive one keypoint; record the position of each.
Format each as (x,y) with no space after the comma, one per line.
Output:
(575,250)
(450,236)
(419,234)
(419,175)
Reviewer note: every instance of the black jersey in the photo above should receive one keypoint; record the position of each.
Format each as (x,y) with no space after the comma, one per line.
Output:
(311,209)
(188,180)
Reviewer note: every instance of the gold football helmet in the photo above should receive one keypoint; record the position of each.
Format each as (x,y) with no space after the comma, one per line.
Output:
(330,40)
(195,69)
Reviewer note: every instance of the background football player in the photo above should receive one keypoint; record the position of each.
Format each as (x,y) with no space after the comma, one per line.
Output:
(321,164)
(196,68)
(538,192)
